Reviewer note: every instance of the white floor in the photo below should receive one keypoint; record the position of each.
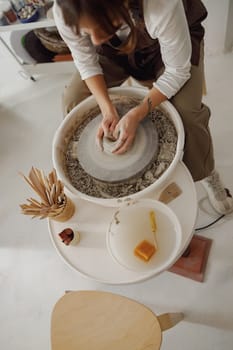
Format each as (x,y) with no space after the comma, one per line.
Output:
(32,275)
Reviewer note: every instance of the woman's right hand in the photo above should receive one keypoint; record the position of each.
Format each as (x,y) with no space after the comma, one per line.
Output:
(107,126)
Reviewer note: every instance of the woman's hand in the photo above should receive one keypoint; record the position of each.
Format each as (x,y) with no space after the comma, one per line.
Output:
(125,131)
(107,126)
(126,128)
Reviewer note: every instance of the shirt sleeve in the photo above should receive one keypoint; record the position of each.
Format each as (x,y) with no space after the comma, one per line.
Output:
(166,21)
(82,50)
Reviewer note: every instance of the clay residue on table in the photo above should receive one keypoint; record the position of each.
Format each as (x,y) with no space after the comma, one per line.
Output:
(166,151)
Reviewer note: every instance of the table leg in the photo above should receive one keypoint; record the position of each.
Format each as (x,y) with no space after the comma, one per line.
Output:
(23,72)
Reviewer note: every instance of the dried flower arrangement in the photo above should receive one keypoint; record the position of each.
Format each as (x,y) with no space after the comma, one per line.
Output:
(54,203)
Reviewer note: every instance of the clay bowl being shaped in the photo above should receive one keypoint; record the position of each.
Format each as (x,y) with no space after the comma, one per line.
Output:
(108,167)
(80,114)
(131,224)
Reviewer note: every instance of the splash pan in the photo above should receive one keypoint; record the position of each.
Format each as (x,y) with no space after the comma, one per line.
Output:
(110,191)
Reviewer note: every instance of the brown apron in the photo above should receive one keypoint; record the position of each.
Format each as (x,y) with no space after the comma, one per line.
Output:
(145,61)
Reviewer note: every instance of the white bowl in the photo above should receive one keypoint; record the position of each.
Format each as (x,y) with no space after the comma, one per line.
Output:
(61,137)
(131,224)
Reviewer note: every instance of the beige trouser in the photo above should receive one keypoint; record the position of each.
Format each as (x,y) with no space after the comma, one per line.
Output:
(198,149)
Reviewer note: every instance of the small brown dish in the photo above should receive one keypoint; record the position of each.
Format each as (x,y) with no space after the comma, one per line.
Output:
(69,237)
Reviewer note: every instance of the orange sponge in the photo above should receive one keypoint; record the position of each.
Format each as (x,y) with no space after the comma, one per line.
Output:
(144,250)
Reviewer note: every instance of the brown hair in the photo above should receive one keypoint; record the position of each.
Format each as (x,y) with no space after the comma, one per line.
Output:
(103,12)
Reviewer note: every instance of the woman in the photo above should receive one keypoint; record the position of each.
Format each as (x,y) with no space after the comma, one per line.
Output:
(160,44)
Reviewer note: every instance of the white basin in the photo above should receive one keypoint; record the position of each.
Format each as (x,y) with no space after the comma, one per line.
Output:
(61,136)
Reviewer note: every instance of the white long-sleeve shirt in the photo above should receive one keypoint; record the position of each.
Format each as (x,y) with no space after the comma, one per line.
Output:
(164,20)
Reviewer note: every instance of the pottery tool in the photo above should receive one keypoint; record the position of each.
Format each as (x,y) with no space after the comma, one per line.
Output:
(144,250)
(153,226)
(171,192)
(51,192)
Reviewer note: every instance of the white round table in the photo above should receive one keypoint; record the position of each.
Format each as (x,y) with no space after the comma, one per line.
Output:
(91,258)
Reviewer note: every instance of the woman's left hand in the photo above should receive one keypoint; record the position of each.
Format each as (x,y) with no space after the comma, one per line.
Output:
(125,131)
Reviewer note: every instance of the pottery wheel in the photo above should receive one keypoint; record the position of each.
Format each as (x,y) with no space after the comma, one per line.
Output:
(108,167)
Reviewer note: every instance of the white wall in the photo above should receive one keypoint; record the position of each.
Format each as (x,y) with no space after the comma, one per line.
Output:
(229,30)
(216,25)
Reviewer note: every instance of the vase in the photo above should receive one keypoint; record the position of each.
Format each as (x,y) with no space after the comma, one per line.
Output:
(67,211)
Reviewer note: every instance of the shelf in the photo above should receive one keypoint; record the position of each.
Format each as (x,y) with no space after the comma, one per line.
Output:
(27,69)
(41,23)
